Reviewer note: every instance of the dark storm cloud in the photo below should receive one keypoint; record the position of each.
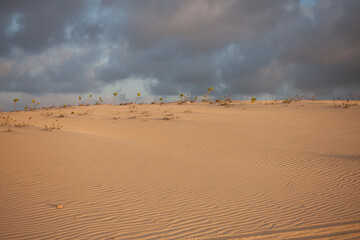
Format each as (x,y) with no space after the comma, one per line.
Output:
(325,52)
(242,47)
(181,43)
(35,25)
(60,70)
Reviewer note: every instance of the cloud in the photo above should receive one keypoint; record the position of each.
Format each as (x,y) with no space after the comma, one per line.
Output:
(61,69)
(38,24)
(242,47)
(179,43)
(325,52)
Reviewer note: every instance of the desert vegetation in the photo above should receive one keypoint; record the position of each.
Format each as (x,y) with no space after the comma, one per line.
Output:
(206,98)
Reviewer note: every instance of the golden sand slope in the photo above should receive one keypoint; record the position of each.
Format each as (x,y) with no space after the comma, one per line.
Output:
(250,171)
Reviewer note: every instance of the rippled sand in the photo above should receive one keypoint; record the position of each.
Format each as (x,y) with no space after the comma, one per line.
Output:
(191,171)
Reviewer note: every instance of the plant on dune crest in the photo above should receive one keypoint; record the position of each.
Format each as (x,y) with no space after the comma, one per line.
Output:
(288,101)
(354,96)
(296,98)
(115,94)
(206,97)
(225,101)
(90,96)
(15,100)
(253,99)
(100,101)
(161,101)
(272,99)
(32,103)
(26,108)
(345,104)
(79,100)
(193,100)
(137,96)
(186,98)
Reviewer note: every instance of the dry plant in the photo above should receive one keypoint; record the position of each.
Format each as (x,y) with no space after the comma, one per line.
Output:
(272,99)
(206,97)
(186,99)
(9,122)
(55,126)
(225,101)
(170,117)
(84,113)
(146,113)
(344,104)
(296,98)
(47,114)
(227,104)
(132,108)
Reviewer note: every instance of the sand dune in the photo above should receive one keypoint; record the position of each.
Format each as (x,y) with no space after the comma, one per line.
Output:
(189,171)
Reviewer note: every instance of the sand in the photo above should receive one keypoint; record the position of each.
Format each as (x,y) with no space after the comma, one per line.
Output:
(266,170)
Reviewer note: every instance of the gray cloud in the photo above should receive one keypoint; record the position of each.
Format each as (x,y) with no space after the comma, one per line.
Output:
(325,52)
(35,25)
(243,47)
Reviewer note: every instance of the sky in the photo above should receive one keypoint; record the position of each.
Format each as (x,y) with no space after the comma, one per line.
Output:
(58,50)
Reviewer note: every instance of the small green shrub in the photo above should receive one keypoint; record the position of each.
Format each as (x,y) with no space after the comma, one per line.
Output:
(115,94)
(90,96)
(15,100)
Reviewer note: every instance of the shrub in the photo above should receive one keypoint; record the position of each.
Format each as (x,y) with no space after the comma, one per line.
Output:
(15,100)
(115,94)
(90,96)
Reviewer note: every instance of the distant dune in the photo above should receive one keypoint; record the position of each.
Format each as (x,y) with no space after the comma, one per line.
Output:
(239,170)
